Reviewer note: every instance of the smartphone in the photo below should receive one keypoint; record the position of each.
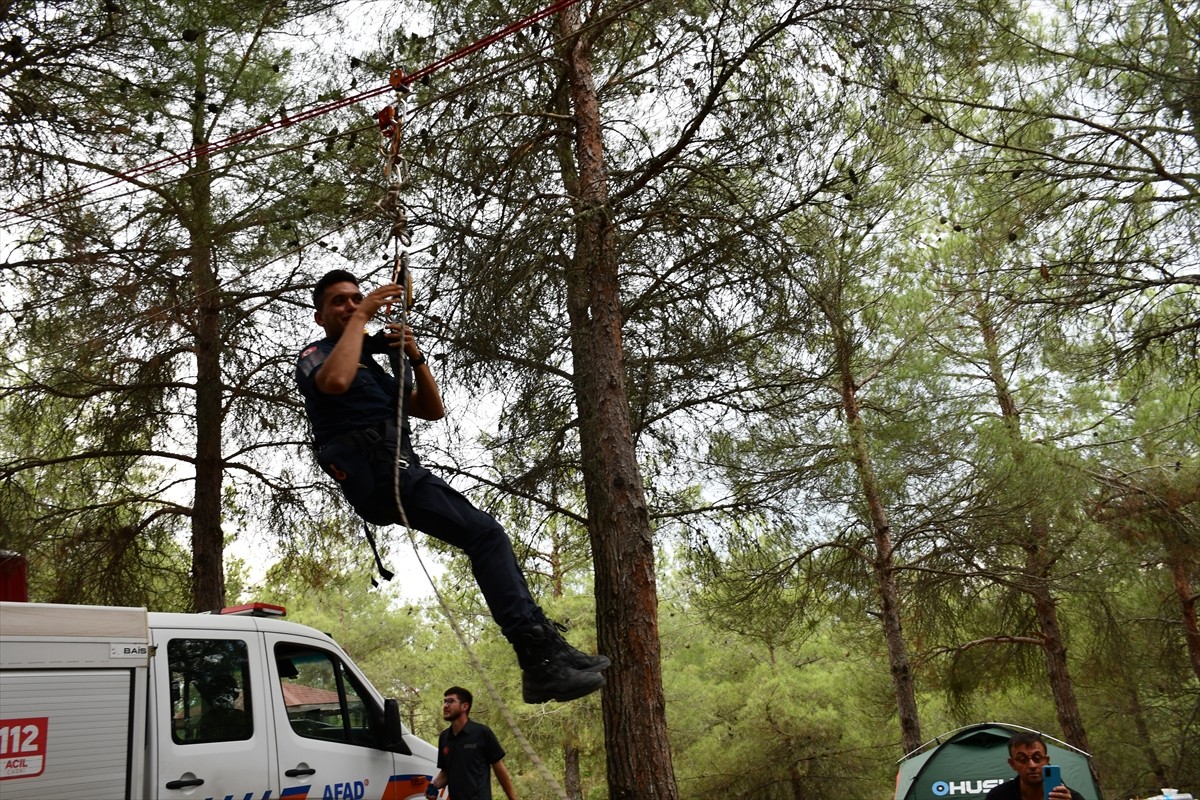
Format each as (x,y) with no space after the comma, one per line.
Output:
(1051,777)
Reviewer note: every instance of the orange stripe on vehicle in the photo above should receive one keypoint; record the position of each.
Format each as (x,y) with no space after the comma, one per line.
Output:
(400,787)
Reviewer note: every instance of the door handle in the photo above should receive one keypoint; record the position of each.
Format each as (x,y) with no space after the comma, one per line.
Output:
(300,772)
(185,783)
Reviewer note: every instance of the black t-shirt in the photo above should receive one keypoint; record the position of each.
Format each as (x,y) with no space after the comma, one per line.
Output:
(467,759)
(369,402)
(1011,790)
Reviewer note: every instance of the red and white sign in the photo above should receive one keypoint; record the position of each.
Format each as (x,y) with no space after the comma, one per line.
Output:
(23,747)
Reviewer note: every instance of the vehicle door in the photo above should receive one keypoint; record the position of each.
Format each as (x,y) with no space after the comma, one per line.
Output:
(211,721)
(329,727)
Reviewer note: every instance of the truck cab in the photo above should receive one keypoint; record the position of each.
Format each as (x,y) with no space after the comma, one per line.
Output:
(114,702)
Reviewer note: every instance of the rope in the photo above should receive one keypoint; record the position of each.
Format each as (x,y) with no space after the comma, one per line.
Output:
(208,149)
(493,692)
(392,121)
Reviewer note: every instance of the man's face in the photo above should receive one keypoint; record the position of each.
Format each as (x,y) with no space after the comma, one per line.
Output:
(452,708)
(337,306)
(1027,760)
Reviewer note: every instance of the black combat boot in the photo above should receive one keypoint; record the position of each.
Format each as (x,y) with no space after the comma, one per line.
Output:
(577,659)
(546,673)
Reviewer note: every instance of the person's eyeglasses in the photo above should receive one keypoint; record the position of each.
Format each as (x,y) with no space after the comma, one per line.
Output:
(341,299)
(1035,759)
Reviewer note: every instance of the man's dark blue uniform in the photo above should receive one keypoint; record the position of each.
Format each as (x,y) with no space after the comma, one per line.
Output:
(371,401)
(354,423)
(365,414)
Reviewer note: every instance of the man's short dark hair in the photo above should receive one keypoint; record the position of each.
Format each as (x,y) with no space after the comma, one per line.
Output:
(327,280)
(1026,738)
(463,694)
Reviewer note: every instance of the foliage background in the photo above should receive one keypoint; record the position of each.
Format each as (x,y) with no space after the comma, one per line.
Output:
(910,297)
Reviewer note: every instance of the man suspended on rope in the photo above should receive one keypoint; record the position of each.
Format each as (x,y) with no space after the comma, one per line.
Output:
(351,402)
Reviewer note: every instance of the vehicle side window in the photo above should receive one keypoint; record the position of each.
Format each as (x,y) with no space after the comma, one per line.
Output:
(323,699)
(210,691)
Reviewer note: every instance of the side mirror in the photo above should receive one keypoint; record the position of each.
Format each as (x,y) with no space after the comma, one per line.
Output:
(393,731)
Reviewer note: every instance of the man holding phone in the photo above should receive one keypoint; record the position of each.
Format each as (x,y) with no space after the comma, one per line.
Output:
(1027,755)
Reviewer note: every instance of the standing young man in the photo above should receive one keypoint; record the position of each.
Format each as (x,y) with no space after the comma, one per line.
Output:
(1027,755)
(351,402)
(466,751)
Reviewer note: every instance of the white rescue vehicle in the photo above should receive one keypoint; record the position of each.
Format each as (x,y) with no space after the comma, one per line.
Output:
(106,702)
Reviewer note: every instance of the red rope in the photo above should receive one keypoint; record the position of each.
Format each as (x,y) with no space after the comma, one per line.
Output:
(289,120)
(492,38)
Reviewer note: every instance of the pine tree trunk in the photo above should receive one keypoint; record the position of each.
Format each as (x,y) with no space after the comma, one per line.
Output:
(797,782)
(1138,714)
(1054,647)
(634,708)
(883,566)
(1038,563)
(1178,562)
(572,782)
(208,543)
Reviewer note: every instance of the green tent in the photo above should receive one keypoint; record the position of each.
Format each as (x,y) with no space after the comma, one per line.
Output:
(965,764)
